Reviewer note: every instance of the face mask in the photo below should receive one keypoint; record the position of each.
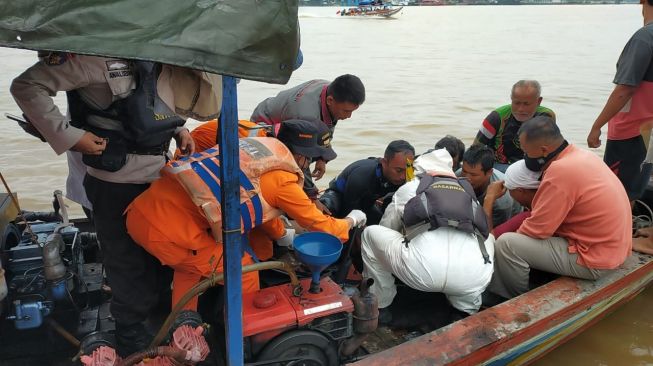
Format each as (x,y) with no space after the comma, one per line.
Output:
(537,164)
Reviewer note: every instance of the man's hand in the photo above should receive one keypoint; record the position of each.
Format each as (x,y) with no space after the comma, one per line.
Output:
(320,168)
(594,138)
(320,206)
(90,144)
(185,142)
(495,190)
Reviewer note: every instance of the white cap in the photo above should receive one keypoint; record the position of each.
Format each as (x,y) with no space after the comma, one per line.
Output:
(519,176)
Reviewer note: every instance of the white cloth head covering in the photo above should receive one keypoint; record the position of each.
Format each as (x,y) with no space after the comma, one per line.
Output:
(519,176)
(436,161)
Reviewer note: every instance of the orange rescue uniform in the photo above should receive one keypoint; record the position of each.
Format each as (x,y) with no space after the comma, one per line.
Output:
(166,222)
(204,135)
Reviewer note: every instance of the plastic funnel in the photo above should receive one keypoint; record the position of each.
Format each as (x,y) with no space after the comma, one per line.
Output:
(317,251)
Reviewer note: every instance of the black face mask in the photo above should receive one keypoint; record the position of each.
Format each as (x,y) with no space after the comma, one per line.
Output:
(537,164)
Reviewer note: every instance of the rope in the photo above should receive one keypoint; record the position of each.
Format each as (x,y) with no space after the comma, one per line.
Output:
(642,221)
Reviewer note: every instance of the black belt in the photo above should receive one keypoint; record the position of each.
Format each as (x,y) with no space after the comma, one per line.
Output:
(150,150)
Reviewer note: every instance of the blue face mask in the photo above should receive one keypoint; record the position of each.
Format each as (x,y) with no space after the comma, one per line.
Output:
(537,164)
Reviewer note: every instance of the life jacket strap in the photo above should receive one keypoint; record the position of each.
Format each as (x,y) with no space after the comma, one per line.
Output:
(481,245)
(246,248)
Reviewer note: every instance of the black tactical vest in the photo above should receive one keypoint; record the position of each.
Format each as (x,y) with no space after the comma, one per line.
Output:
(446,201)
(144,132)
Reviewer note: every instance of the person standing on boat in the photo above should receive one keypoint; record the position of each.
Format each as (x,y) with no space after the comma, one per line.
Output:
(577,228)
(478,163)
(368,184)
(174,218)
(499,128)
(456,262)
(628,108)
(314,100)
(105,103)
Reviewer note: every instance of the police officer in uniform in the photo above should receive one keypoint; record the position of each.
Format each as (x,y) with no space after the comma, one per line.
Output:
(124,151)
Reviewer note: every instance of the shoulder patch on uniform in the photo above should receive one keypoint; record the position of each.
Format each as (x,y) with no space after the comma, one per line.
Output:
(56,58)
(116,65)
(118,69)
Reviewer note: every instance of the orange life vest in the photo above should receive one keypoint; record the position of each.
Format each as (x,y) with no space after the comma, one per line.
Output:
(199,175)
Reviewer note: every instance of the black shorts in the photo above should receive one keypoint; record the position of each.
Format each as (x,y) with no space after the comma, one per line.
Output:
(624,158)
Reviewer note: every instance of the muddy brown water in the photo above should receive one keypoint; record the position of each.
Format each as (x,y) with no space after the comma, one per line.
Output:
(431,71)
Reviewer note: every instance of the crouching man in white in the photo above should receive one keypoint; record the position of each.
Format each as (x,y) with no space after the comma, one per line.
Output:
(437,257)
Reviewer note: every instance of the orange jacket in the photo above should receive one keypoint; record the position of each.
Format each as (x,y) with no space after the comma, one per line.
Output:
(199,175)
(168,208)
(204,135)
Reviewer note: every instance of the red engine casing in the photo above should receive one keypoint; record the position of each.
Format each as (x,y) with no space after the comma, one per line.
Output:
(273,310)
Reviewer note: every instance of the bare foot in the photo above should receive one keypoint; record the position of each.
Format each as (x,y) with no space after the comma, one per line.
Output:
(643,245)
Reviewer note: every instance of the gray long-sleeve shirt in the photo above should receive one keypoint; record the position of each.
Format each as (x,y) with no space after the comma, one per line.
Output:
(303,101)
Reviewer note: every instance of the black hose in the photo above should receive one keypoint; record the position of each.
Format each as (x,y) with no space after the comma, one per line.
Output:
(212,281)
(344,262)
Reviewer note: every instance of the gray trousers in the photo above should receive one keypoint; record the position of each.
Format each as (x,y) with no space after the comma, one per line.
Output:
(515,255)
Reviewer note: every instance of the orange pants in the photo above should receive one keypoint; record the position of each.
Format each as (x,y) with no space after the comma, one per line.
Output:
(190,266)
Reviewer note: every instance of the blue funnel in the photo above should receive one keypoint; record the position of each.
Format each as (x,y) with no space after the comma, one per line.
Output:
(317,251)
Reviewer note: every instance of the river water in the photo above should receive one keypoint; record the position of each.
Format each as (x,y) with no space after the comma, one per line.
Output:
(431,71)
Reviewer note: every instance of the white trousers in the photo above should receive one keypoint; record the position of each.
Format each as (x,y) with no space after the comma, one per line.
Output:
(443,260)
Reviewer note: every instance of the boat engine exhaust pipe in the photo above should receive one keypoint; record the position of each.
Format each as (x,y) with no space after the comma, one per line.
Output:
(366,317)
(53,266)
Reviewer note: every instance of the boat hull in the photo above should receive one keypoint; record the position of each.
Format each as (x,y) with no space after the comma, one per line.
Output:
(525,328)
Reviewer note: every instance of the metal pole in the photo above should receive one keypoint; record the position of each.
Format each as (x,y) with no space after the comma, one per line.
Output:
(229,176)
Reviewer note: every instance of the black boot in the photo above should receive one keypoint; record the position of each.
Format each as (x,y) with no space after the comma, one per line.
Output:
(132,338)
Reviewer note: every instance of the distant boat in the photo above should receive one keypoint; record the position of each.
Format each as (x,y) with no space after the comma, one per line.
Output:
(431,2)
(371,9)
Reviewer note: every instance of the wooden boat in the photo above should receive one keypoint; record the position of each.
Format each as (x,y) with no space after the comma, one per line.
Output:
(516,332)
(525,328)
(368,11)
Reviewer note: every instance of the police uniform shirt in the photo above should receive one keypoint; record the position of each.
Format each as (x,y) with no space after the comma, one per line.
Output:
(100,81)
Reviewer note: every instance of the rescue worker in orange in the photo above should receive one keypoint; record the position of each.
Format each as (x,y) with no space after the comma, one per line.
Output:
(204,135)
(177,219)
